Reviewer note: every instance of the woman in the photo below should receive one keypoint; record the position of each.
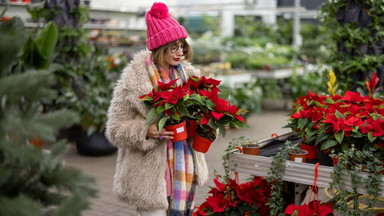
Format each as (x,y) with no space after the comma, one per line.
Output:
(146,159)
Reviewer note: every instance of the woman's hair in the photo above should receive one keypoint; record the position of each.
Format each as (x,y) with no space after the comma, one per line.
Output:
(158,53)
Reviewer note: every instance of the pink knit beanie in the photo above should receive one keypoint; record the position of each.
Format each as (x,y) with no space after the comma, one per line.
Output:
(161,27)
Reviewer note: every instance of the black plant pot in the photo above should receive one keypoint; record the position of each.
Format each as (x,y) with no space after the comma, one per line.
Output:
(94,145)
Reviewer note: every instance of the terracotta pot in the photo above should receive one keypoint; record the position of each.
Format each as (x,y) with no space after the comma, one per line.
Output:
(252,149)
(311,149)
(201,144)
(191,128)
(299,157)
(179,131)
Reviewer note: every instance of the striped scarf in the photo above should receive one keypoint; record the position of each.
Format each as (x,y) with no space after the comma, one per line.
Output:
(180,164)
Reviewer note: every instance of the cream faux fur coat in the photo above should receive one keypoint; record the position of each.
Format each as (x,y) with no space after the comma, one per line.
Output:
(140,167)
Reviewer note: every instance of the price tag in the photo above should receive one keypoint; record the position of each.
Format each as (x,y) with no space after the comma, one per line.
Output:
(180,129)
(299,160)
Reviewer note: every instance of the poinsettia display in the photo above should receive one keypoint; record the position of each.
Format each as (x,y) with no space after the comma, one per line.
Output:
(231,198)
(338,121)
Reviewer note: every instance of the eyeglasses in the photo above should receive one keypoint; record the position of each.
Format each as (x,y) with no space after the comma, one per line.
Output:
(175,48)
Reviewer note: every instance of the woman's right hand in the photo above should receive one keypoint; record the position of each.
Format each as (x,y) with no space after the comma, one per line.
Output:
(163,135)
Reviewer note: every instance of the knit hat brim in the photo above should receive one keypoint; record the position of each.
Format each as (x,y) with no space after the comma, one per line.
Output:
(167,35)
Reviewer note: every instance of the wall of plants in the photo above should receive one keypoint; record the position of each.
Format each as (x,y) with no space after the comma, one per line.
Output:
(357,40)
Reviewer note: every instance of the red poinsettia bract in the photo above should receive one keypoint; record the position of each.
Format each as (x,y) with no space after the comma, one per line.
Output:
(313,208)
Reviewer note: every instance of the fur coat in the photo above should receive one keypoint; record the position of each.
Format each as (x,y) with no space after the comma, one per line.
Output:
(140,167)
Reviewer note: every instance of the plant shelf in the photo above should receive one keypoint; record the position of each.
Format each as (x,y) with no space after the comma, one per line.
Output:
(302,173)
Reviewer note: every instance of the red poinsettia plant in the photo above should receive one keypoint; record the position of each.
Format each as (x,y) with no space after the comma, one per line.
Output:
(231,198)
(312,208)
(198,99)
(213,112)
(169,103)
(338,121)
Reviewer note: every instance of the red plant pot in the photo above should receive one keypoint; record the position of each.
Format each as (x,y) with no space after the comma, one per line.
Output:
(191,128)
(179,131)
(311,149)
(201,144)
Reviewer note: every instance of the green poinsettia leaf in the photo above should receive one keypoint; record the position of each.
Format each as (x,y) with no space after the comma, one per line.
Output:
(195,79)
(186,97)
(195,97)
(210,104)
(339,115)
(310,133)
(161,123)
(160,109)
(184,111)
(241,112)
(238,124)
(376,116)
(329,101)
(174,115)
(151,115)
(328,144)
(371,137)
(212,124)
(222,129)
(168,106)
(146,98)
(321,138)
(339,136)
(302,123)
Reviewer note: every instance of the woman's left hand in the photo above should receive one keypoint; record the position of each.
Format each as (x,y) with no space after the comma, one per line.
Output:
(163,135)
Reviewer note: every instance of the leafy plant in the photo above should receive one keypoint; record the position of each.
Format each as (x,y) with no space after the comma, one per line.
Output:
(85,83)
(232,148)
(354,51)
(354,161)
(275,179)
(34,182)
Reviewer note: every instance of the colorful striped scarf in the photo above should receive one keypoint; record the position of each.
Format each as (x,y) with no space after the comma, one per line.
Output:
(180,165)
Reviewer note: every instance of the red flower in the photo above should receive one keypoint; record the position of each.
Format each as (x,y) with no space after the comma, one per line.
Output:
(371,84)
(313,208)
(218,204)
(5,19)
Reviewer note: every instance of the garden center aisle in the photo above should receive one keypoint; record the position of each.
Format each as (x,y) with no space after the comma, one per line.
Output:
(261,126)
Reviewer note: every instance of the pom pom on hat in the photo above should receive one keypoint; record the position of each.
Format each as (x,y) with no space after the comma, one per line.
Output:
(161,27)
(159,10)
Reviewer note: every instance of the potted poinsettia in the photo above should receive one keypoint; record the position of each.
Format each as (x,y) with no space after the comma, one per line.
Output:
(211,113)
(232,198)
(196,85)
(168,103)
(216,114)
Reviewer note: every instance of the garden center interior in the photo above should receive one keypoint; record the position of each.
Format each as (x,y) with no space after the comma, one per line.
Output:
(308,73)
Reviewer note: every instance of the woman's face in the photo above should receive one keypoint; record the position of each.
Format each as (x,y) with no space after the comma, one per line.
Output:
(174,53)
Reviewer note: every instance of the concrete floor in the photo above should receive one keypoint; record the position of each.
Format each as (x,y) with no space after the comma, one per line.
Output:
(261,126)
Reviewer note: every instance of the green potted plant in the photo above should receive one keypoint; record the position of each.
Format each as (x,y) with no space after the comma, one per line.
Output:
(354,162)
